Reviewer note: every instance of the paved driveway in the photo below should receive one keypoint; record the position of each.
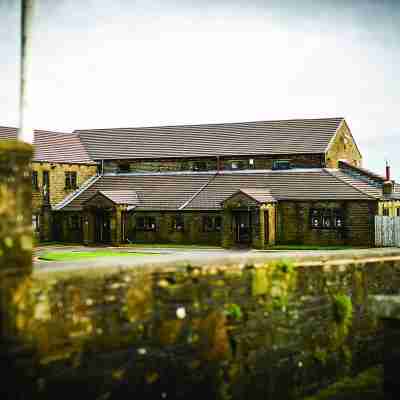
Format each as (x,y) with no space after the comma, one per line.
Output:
(200,254)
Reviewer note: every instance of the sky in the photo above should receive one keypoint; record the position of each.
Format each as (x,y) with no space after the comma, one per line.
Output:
(127,63)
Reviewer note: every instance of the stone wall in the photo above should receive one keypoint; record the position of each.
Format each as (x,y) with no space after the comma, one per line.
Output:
(164,233)
(58,191)
(343,148)
(293,223)
(222,328)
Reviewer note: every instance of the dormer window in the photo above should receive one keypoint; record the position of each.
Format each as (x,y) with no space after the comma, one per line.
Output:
(281,164)
(123,168)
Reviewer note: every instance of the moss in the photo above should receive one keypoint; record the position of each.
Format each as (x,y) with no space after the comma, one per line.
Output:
(7,146)
(366,386)
(234,311)
(342,309)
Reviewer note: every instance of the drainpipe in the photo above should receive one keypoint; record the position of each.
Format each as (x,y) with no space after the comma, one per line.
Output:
(25,132)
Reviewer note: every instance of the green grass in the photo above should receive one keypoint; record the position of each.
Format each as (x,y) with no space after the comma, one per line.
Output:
(311,247)
(79,255)
(365,386)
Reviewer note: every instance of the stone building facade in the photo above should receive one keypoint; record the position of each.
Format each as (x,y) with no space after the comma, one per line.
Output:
(208,184)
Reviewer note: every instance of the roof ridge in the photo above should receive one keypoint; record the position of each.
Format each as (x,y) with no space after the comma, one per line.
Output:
(198,192)
(330,172)
(210,124)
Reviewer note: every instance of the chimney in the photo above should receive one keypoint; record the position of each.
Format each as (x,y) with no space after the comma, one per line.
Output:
(387,171)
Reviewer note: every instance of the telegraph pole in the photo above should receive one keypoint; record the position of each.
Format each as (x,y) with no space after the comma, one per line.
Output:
(25,132)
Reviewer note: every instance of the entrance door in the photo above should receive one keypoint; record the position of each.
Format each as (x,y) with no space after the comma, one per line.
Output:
(266,227)
(242,227)
(103,227)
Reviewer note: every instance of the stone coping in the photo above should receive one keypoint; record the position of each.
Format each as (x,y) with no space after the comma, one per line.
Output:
(214,262)
(386,306)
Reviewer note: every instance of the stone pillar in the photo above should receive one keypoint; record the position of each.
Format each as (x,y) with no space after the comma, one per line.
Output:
(116,225)
(271,209)
(257,220)
(15,230)
(227,229)
(88,227)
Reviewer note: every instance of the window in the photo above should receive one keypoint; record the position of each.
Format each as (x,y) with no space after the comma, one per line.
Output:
(326,218)
(70,180)
(212,224)
(178,223)
(398,212)
(35,222)
(74,222)
(123,168)
(386,212)
(281,164)
(199,166)
(145,223)
(35,185)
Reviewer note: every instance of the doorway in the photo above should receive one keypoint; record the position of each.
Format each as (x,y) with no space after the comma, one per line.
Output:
(242,226)
(103,226)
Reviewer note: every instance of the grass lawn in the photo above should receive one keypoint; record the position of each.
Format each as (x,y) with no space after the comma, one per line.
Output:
(78,255)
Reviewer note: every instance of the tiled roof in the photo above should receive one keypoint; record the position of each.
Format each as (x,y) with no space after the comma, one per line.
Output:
(296,136)
(312,184)
(155,191)
(259,195)
(204,191)
(54,147)
(128,197)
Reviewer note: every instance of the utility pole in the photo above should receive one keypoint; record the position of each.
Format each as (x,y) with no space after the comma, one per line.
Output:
(25,132)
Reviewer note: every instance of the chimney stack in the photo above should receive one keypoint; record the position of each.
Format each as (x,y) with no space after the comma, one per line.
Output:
(387,171)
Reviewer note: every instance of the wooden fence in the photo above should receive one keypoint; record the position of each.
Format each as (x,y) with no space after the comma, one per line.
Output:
(387,231)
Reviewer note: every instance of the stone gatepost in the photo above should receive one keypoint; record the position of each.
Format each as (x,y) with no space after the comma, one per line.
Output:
(16,355)
(227,228)
(15,226)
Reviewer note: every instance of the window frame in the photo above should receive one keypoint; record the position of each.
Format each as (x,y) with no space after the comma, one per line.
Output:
(147,223)
(35,181)
(326,218)
(214,225)
(71,180)
(276,167)
(74,222)
(178,223)
(36,222)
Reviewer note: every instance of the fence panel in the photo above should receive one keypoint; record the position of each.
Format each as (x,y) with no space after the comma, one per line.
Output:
(387,231)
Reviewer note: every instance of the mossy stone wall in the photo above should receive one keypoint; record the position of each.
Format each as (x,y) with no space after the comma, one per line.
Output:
(293,223)
(15,231)
(221,328)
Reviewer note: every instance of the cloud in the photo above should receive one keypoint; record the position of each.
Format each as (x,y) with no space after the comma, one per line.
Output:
(129,63)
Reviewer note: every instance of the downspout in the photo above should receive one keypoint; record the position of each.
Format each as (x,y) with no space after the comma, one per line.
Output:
(25,132)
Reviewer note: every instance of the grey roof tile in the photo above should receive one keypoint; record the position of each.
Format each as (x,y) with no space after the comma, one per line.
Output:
(297,136)
(53,147)
(203,191)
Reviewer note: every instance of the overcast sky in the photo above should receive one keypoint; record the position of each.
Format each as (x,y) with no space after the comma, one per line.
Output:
(123,63)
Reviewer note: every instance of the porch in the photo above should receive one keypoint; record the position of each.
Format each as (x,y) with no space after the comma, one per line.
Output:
(249,219)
